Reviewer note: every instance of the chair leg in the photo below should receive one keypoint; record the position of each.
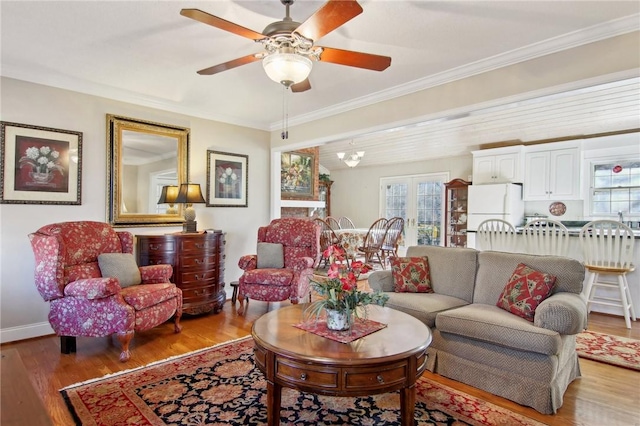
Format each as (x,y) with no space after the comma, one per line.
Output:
(125,339)
(67,344)
(241,308)
(623,299)
(589,290)
(177,327)
(631,308)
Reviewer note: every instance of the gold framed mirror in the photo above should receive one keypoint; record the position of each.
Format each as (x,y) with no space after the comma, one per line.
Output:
(142,158)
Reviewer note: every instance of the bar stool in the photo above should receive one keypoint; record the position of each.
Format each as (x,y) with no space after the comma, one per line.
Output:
(546,236)
(607,248)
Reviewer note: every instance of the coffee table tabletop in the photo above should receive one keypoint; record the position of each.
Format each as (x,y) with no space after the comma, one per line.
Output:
(387,360)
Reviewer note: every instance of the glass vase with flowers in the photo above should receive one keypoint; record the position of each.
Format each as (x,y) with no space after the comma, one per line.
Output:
(340,297)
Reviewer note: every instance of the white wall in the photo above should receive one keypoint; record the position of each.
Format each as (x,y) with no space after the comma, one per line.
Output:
(355,192)
(23,313)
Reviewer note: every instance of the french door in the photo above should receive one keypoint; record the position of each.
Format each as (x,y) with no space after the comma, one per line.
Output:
(419,200)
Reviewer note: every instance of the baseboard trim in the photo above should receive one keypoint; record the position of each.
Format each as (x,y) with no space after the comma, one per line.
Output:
(23,332)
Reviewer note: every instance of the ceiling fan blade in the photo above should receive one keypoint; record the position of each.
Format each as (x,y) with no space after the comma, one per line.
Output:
(229,65)
(303,86)
(330,16)
(355,59)
(223,24)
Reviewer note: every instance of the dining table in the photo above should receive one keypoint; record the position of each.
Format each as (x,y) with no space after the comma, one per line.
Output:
(351,239)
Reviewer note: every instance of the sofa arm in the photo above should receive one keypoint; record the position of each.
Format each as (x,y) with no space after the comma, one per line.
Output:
(156,274)
(93,288)
(248,262)
(381,281)
(565,313)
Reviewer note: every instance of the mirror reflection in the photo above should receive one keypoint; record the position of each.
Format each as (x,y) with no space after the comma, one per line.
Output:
(144,157)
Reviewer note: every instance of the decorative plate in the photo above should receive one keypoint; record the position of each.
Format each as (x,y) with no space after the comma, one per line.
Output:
(558,208)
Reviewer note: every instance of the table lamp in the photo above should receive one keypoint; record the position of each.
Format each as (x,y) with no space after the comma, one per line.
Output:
(189,194)
(168,196)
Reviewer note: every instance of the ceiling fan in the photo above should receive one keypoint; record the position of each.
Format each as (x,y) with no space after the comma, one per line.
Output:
(290,46)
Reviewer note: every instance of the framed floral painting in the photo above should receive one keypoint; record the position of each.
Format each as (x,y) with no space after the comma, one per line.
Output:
(40,165)
(297,175)
(227,179)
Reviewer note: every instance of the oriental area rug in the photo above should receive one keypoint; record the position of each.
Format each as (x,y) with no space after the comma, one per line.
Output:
(614,350)
(221,385)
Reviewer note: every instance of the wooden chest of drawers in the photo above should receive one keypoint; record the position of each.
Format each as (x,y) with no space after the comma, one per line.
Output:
(198,266)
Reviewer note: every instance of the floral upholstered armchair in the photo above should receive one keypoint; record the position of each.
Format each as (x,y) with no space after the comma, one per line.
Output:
(287,253)
(87,272)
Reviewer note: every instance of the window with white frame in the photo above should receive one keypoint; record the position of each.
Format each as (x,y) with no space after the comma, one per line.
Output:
(615,187)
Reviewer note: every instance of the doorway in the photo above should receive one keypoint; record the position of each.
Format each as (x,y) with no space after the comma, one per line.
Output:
(419,200)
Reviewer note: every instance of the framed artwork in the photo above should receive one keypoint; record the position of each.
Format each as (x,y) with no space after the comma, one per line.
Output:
(227,179)
(296,174)
(40,165)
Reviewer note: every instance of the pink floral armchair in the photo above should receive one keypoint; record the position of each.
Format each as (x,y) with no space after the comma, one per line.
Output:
(82,301)
(300,248)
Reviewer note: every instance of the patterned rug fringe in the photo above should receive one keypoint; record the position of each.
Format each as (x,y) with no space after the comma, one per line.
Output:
(151,364)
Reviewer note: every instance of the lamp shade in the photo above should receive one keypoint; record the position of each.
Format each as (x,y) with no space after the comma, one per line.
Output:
(169,194)
(190,193)
(287,68)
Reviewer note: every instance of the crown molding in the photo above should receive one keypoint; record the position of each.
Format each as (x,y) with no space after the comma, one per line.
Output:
(64,82)
(556,44)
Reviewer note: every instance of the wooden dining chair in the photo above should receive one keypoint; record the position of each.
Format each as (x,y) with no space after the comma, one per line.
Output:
(332,222)
(496,234)
(395,227)
(372,246)
(546,236)
(328,238)
(345,223)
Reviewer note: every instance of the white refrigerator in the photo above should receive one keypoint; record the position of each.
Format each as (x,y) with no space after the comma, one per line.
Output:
(495,201)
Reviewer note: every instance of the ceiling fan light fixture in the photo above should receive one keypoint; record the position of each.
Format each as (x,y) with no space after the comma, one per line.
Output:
(341,155)
(287,68)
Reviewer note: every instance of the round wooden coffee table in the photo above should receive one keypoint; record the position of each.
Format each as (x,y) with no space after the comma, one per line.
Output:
(387,360)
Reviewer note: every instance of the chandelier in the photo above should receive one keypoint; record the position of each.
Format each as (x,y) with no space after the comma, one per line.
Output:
(352,159)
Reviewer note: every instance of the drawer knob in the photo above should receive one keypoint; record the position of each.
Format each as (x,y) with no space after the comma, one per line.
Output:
(303,376)
(199,245)
(380,379)
(199,262)
(154,246)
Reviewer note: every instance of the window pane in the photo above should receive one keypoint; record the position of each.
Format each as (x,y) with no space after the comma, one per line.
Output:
(601,196)
(602,182)
(601,207)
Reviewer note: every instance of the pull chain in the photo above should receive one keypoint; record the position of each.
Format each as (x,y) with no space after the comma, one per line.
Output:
(285,113)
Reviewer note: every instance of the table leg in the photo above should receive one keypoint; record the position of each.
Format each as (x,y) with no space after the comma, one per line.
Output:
(274,394)
(407,405)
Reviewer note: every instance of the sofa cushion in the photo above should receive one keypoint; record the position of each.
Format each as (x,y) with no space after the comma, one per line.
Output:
(495,268)
(525,290)
(424,307)
(452,269)
(147,295)
(411,274)
(270,255)
(121,266)
(491,324)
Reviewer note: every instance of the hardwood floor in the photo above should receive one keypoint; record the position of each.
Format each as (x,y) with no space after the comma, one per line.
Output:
(603,395)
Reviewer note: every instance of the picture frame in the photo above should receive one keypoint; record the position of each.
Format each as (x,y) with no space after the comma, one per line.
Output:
(227,179)
(40,165)
(297,178)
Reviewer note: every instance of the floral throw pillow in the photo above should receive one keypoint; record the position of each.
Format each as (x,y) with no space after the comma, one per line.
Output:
(411,274)
(525,290)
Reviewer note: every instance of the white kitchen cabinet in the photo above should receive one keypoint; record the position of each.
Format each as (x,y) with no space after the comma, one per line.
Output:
(498,165)
(552,174)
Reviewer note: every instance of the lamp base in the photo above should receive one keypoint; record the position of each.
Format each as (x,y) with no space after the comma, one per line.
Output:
(189,227)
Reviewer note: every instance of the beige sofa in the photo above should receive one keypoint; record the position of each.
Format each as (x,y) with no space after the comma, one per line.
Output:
(480,344)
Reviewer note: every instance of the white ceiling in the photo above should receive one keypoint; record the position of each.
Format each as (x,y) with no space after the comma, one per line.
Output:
(145,52)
